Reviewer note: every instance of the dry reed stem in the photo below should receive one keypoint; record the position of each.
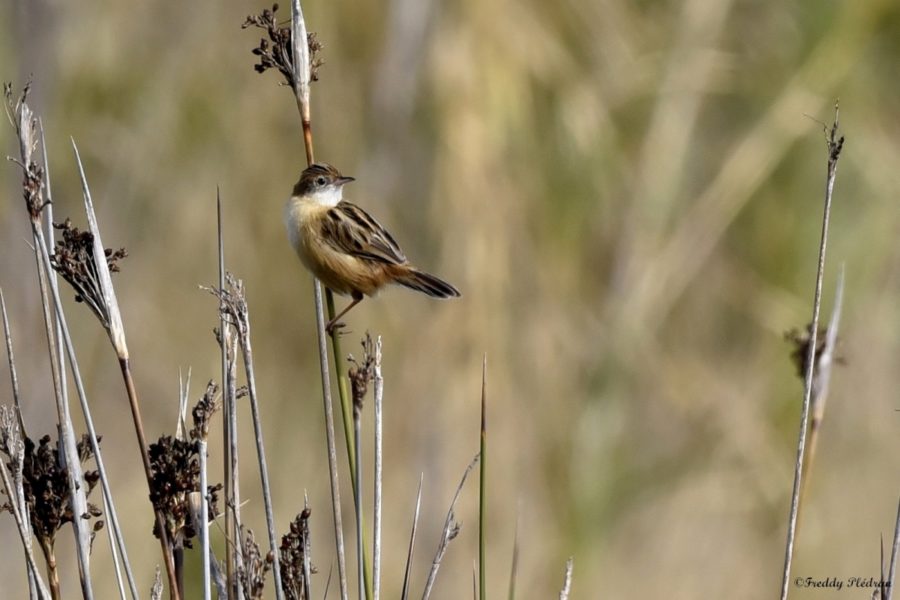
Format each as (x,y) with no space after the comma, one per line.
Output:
(16,499)
(234,504)
(450,531)
(203,520)
(64,340)
(567,581)
(329,435)
(229,442)
(404,595)
(20,422)
(111,318)
(895,551)
(235,304)
(307,559)
(834,145)
(26,126)
(302,76)
(11,361)
(821,382)
(482,485)
(357,503)
(116,538)
(378,400)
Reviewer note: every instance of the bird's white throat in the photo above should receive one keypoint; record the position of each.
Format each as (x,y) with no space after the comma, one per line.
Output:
(330,195)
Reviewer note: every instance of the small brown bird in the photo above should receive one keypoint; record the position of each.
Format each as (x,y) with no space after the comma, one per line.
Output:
(344,247)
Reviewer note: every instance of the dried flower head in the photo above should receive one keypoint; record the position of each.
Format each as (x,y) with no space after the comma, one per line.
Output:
(46,486)
(22,119)
(277,51)
(204,410)
(175,468)
(74,260)
(294,551)
(252,572)
(361,372)
(800,342)
(233,305)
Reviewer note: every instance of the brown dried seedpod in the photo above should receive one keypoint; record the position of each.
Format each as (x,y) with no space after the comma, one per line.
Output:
(46,487)
(22,118)
(293,555)
(252,572)
(800,342)
(362,372)
(276,52)
(175,467)
(73,258)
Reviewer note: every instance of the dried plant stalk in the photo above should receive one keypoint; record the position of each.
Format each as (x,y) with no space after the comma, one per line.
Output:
(834,144)
(234,303)
(22,117)
(451,530)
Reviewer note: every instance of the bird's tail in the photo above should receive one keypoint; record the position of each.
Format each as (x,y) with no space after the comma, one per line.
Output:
(427,284)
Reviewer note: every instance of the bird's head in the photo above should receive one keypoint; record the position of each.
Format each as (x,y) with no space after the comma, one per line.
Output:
(321,183)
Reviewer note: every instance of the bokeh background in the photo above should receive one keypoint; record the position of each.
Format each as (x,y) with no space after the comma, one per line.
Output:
(629,195)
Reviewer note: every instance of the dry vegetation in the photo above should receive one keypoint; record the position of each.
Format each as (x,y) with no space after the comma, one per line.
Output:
(629,196)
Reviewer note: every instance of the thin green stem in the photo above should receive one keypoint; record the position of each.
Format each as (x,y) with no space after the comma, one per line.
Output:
(346,413)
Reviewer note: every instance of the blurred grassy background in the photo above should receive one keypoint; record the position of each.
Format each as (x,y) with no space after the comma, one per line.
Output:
(629,196)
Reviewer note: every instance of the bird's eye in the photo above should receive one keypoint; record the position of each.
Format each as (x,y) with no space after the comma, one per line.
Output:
(320,180)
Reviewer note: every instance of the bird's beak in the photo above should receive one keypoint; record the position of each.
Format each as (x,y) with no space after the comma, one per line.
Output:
(344,180)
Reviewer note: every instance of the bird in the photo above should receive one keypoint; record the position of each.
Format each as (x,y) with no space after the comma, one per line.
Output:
(345,247)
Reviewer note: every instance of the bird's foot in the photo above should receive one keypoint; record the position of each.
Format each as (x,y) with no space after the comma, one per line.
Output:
(335,328)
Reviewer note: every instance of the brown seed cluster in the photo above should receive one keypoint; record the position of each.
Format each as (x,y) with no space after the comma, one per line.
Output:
(800,342)
(20,115)
(294,548)
(205,409)
(46,485)
(73,258)
(277,51)
(175,468)
(362,372)
(255,566)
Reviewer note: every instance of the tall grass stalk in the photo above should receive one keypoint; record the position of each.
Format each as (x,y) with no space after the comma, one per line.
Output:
(118,549)
(116,538)
(482,483)
(352,441)
(236,304)
(20,515)
(404,594)
(112,318)
(821,381)
(450,531)
(379,399)
(229,428)
(567,581)
(26,128)
(18,505)
(834,146)
(301,85)
(357,502)
(514,567)
(329,435)
(11,361)
(203,521)
(20,423)
(895,551)
(307,559)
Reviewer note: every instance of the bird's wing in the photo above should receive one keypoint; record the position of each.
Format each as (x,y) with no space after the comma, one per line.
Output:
(351,230)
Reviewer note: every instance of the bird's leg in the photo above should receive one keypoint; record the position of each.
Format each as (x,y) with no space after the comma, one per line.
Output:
(332,324)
